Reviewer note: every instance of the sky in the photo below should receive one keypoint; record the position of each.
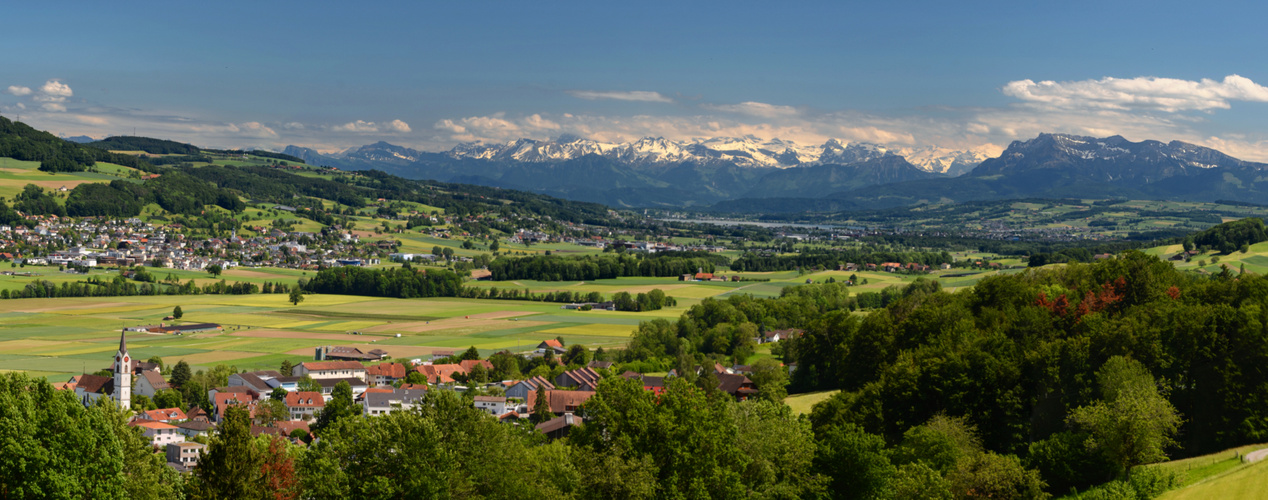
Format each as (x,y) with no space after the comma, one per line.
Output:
(431,75)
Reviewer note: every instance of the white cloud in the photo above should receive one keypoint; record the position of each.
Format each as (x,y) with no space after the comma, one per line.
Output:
(365,127)
(54,88)
(752,108)
(53,106)
(1162,94)
(397,126)
(18,91)
(631,95)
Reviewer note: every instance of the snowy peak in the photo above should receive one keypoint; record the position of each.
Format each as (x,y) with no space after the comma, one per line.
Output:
(745,151)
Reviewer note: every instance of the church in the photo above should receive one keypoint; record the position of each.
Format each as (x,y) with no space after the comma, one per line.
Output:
(90,388)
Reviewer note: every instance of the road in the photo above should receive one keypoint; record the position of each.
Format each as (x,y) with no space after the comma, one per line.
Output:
(1255,456)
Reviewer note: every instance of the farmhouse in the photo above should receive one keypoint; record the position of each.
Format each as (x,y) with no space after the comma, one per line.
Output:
(183,329)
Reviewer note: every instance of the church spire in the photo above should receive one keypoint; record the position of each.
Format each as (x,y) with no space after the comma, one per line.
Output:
(123,341)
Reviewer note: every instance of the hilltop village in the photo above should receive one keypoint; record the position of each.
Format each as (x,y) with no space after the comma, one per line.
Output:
(287,402)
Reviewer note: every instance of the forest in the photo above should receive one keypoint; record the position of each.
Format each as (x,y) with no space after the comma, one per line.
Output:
(556,268)
(21,142)
(405,283)
(830,259)
(1025,359)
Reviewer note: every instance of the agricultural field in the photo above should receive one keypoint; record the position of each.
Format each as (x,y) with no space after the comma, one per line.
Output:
(16,174)
(61,337)
(65,336)
(1255,259)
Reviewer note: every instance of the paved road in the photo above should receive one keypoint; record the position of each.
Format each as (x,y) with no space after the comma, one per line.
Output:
(1256,456)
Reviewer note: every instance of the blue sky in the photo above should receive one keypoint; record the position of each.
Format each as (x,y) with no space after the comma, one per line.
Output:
(429,75)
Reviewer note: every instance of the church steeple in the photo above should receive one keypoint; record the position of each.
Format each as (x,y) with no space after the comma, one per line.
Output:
(123,373)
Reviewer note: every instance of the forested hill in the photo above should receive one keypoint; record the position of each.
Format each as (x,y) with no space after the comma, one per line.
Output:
(21,142)
(149,145)
(191,178)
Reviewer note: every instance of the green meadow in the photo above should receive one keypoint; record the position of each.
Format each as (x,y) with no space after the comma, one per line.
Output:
(61,337)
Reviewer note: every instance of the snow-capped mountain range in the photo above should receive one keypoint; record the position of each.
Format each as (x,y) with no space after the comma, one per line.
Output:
(658,151)
(741,151)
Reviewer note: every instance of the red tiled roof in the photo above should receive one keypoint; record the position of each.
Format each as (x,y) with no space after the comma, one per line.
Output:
(306,399)
(560,401)
(553,343)
(468,364)
(332,365)
(163,414)
(439,374)
(392,370)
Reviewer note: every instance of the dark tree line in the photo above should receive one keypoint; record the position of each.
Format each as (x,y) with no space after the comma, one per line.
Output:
(556,268)
(393,282)
(1229,237)
(830,259)
(147,144)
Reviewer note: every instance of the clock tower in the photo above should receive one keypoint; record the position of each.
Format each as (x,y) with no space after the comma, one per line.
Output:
(123,374)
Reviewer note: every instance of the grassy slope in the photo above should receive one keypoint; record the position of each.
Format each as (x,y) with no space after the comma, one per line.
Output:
(1238,481)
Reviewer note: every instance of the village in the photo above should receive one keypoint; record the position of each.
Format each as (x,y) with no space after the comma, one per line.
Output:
(377,386)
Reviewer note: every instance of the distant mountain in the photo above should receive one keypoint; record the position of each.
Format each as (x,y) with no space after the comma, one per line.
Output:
(655,171)
(81,139)
(654,152)
(1060,166)
(822,180)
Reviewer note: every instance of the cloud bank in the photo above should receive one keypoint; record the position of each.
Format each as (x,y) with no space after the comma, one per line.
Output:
(1162,94)
(633,95)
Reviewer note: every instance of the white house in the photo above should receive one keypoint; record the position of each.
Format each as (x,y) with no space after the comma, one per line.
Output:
(330,369)
(382,403)
(159,433)
(304,405)
(150,382)
(496,406)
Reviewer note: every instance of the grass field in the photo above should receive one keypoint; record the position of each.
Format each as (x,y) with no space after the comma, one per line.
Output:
(802,403)
(60,337)
(1236,481)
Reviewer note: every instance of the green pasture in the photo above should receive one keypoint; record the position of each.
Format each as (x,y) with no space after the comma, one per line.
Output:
(57,338)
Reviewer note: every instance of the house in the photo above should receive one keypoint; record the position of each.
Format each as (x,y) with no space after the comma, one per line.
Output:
(736,385)
(582,378)
(190,328)
(560,402)
(223,400)
(304,405)
(384,373)
(330,369)
(184,456)
(492,404)
(257,381)
(341,353)
(600,365)
(553,345)
(468,364)
(381,403)
(558,427)
(150,382)
(158,433)
(654,384)
(328,386)
(90,388)
(440,374)
(165,415)
(520,389)
(778,335)
(194,428)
